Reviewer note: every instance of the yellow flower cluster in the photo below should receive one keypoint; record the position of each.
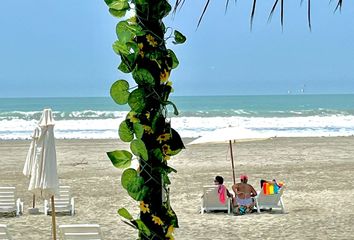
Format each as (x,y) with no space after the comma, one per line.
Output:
(144,207)
(140,46)
(164,76)
(166,150)
(132,117)
(148,129)
(151,40)
(170,232)
(157,220)
(163,137)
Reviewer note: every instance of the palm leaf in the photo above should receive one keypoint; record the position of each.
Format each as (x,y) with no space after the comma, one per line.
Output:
(179,3)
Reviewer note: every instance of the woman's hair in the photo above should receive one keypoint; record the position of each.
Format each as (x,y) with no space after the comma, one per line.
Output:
(219,179)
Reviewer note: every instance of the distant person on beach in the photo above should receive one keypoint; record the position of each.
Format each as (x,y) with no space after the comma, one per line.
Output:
(244,193)
(222,190)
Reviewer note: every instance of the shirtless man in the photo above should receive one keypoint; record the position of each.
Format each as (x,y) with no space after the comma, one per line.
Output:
(244,193)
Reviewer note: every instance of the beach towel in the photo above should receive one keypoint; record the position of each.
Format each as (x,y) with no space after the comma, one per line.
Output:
(271,188)
(222,194)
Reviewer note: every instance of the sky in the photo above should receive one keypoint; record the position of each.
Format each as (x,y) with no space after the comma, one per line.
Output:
(64,49)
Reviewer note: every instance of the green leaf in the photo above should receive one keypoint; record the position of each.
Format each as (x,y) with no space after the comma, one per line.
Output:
(179,37)
(139,149)
(136,100)
(175,61)
(158,154)
(163,8)
(138,130)
(142,227)
(124,213)
(119,92)
(117,13)
(136,184)
(175,110)
(119,5)
(120,158)
(128,176)
(121,48)
(143,77)
(124,68)
(125,133)
(127,32)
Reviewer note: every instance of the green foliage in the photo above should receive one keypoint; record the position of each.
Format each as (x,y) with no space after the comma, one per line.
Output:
(125,132)
(143,77)
(118,8)
(142,227)
(124,213)
(136,100)
(175,61)
(120,158)
(179,37)
(138,148)
(142,49)
(119,92)
(138,130)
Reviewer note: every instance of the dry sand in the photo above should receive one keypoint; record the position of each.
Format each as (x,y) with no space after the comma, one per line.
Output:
(318,173)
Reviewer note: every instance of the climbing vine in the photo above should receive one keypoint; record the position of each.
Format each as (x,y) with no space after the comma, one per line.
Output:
(141,46)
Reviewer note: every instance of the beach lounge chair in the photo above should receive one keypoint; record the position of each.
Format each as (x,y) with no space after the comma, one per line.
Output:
(80,231)
(63,202)
(211,202)
(270,201)
(4,234)
(8,204)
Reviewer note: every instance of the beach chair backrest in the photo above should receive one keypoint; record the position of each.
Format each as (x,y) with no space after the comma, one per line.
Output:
(80,232)
(270,199)
(64,196)
(211,197)
(4,234)
(7,199)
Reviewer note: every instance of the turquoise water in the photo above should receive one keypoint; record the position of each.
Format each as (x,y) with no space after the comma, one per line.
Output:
(98,117)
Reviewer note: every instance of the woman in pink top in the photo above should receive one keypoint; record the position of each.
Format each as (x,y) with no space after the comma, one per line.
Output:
(222,189)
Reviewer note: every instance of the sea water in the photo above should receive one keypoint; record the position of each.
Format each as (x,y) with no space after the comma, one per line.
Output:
(99,117)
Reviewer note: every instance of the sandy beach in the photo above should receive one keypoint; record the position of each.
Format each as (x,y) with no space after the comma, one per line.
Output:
(318,173)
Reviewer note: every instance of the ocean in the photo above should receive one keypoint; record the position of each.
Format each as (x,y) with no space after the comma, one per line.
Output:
(99,117)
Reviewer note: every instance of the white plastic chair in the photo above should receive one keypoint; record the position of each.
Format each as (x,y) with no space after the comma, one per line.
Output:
(270,201)
(80,232)
(63,202)
(8,204)
(4,234)
(211,202)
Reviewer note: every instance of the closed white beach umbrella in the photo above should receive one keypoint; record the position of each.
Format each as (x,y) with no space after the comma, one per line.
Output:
(230,135)
(31,155)
(44,176)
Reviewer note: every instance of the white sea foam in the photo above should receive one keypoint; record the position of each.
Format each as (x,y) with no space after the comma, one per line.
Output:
(87,128)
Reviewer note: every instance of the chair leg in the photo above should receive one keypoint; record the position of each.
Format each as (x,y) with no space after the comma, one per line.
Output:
(282,206)
(257,206)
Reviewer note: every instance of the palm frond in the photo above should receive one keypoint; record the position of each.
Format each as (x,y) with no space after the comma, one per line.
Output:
(309,13)
(204,10)
(339,6)
(179,3)
(253,12)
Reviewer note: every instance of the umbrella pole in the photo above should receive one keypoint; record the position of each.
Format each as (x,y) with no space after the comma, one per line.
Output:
(232,162)
(34,201)
(53,220)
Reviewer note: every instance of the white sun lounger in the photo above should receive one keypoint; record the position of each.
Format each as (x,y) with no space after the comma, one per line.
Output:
(8,204)
(80,232)
(4,234)
(63,202)
(271,201)
(211,202)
